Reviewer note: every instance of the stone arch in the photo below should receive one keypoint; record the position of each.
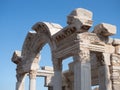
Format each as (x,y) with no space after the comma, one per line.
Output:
(27,60)
(34,42)
(73,40)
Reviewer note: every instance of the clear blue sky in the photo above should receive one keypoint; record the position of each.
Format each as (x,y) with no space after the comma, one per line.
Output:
(18,16)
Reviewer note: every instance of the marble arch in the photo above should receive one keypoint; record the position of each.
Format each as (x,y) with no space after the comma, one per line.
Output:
(28,59)
(96,57)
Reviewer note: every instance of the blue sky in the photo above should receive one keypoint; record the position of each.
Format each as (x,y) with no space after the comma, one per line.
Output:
(18,16)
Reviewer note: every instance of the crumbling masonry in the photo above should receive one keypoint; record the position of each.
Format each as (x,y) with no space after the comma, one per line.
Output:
(96,57)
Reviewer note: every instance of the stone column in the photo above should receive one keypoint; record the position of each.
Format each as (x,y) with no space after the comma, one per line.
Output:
(32,82)
(104,72)
(57,83)
(20,81)
(82,70)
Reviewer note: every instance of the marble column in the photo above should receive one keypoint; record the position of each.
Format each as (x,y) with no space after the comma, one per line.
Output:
(104,72)
(57,83)
(20,81)
(82,70)
(32,82)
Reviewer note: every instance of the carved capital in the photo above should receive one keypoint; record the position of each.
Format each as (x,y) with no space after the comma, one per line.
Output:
(83,56)
(32,74)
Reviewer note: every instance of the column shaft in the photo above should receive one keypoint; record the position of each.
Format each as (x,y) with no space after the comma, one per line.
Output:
(82,76)
(82,71)
(57,75)
(32,82)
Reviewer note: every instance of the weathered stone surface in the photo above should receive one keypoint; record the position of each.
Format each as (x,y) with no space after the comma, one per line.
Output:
(16,58)
(117,49)
(105,29)
(109,49)
(45,26)
(115,60)
(47,68)
(96,57)
(110,41)
(82,18)
(116,42)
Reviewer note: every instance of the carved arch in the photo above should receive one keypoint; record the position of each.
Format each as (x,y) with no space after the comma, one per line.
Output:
(34,42)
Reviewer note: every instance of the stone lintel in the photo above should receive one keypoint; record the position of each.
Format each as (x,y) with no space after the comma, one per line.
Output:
(105,29)
(44,73)
(47,68)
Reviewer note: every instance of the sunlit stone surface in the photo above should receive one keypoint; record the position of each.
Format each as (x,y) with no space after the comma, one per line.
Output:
(96,57)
